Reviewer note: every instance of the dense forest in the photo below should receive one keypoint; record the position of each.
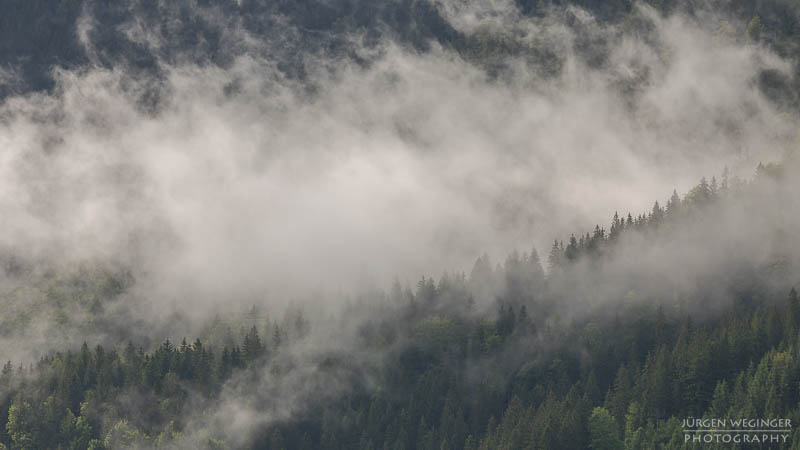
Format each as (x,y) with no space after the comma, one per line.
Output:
(120,121)
(145,36)
(450,374)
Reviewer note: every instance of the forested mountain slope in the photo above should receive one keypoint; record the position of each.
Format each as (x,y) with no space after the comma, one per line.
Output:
(558,361)
(203,202)
(144,37)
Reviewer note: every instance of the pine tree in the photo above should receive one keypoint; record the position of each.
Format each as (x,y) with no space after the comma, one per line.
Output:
(534,266)
(616,227)
(673,205)
(657,214)
(754,29)
(554,258)
(277,336)
(571,252)
(603,431)
(252,348)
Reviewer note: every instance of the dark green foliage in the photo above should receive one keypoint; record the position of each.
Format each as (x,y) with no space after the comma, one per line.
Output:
(645,371)
(603,431)
(39,36)
(513,376)
(69,399)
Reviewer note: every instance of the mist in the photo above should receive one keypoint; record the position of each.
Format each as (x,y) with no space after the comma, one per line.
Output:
(206,185)
(241,184)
